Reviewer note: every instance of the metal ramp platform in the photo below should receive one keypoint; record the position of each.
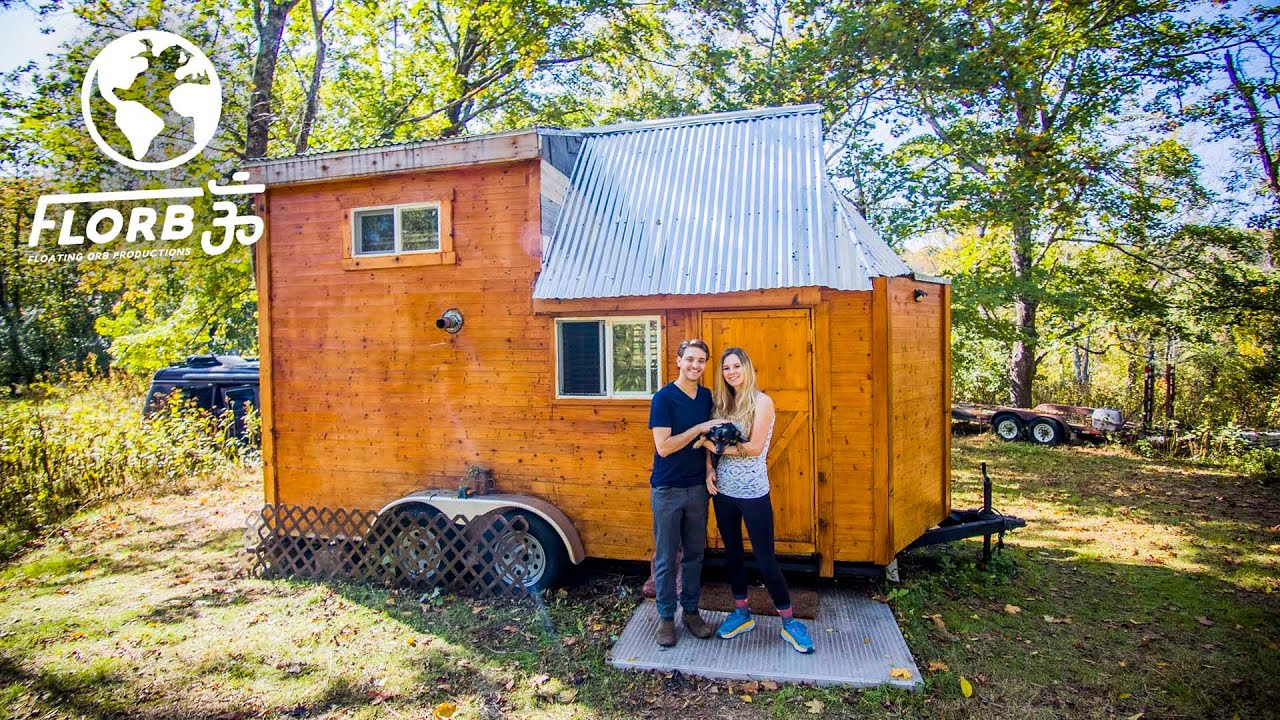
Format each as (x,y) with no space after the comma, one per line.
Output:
(856,643)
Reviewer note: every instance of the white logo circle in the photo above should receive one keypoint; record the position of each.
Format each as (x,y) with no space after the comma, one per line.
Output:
(177,81)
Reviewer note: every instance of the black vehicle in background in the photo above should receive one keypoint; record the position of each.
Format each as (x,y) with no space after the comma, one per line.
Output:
(217,383)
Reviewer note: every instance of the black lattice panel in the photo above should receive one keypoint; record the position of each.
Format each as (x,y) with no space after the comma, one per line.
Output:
(423,550)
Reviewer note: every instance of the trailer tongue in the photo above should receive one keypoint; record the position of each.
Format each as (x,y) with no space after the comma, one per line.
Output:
(961,524)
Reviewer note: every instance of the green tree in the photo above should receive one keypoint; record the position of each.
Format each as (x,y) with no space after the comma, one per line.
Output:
(1022,105)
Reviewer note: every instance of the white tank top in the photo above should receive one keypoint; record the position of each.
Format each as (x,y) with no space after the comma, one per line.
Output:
(742,477)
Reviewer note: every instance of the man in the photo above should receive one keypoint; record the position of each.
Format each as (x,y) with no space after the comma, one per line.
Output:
(678,414)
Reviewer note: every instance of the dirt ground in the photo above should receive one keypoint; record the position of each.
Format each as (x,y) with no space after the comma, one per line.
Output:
(1139,589)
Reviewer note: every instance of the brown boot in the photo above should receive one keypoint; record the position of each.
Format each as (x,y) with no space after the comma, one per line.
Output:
(696,625)
(666,633)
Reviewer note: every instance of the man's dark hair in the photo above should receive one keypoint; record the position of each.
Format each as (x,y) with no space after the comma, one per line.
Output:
(695,343)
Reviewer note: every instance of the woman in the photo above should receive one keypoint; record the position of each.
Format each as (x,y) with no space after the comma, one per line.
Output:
(739,486)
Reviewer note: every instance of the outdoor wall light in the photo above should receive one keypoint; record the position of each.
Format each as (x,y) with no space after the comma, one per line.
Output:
(920,295)
(450,321)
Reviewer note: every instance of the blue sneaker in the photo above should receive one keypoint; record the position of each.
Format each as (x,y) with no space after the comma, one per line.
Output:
(794,632)
(738,622)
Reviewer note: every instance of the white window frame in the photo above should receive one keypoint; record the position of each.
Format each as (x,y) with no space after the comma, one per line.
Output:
(395,214)
(607,357)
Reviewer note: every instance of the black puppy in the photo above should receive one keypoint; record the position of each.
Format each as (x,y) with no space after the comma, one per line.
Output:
(722,436)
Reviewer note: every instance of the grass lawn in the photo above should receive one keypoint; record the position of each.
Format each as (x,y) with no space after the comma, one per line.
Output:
(1139,589)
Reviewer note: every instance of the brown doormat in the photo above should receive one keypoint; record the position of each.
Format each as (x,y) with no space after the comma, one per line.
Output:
(718,596)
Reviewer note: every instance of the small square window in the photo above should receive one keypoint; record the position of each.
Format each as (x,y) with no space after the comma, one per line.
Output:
(375,231)
(608,357)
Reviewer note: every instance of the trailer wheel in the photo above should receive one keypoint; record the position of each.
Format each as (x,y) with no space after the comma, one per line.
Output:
(1007,427)
(545,556)
(420,550)
(1043,431)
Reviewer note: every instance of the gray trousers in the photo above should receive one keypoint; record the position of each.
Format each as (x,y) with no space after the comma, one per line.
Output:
(679,524)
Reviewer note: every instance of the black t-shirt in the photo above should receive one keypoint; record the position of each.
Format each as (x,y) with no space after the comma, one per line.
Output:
(671,408)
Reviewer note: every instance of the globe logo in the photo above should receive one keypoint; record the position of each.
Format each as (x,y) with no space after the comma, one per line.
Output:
(151,100)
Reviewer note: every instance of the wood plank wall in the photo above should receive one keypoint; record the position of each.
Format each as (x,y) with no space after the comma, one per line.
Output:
(920,464)
(853,494)
(372,401)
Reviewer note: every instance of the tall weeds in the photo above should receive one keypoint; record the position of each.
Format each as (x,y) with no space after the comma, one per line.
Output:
(85,440)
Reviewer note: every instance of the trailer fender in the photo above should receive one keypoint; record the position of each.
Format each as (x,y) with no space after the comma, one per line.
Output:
(475,505)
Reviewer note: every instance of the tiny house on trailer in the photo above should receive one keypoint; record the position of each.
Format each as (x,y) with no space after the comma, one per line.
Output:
(513,300)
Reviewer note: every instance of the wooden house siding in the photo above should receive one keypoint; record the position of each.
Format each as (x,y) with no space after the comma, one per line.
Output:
(919,370)
(849,340)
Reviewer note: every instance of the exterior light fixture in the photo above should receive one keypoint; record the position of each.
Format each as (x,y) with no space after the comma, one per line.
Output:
(450,321)
(920,295)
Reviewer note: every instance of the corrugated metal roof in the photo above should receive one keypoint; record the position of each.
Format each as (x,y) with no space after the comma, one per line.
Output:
(709,204)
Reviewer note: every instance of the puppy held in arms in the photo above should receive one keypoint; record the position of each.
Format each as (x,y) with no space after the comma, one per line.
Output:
(721,436)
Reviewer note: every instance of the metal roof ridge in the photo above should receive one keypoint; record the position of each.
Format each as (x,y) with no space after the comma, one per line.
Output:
(709,119)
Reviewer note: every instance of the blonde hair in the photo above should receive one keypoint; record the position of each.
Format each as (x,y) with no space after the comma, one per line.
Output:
(729,404)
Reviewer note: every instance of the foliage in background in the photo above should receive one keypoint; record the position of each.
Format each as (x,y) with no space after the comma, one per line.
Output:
(84,440)
(1042,144)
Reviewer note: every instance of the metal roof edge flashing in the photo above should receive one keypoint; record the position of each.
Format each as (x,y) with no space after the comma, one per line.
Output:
(404,145)
(713,118)
(930,278)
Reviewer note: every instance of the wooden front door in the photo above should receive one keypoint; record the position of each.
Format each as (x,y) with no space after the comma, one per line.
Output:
(779,345)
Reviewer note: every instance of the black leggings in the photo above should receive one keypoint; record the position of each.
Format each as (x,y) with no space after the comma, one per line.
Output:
(758,514)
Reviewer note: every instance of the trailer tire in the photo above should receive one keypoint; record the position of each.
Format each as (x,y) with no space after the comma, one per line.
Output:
(1043,431)
(419,551)
(547,557)
(1007,427)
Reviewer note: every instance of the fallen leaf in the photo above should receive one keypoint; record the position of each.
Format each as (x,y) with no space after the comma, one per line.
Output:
(510,628)
(768,685)
(900,673)
(1125,696)
(937,622)
(1012,609)
(966,688)
(538,680)
(411,641)
(1056,620)
(746,698)
(816,707)
(751,687)
(567,696)
(1205,621)
(184,580)
(444,710)
(1136,717)
(936,666)
(391,601)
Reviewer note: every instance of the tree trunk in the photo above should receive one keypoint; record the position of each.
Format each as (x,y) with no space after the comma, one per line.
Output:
(1081,355)
(313,90)
(11,308)
(1022,358)
(270,32)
